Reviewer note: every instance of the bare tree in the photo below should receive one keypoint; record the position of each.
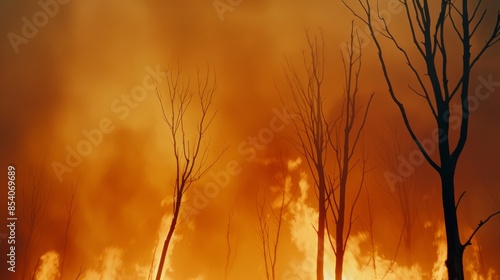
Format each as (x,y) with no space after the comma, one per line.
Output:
(231,252)
(34,274)
(404,190)
(371,222)
(80,273)
(369,227)
(271,217)
(429,31)
(71,207)
(344,139)
(316,134)
(311,128)
(35,193)
(190,149)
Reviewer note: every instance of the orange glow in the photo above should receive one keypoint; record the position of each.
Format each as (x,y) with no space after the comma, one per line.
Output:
(79,112)
(49,266)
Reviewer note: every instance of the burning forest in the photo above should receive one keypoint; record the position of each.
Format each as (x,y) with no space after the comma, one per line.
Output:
(282,140)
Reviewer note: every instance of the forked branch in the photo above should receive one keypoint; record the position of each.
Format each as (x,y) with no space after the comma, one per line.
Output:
(481,224)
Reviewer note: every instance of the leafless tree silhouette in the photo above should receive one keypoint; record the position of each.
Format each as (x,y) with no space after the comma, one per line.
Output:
(71,207)
(430,29)
(369,226)
(80,273)
(35,193)
(316,134)
(231,252)
(271,215)
(311,129)
(344,139)
(190,150)
(404,191)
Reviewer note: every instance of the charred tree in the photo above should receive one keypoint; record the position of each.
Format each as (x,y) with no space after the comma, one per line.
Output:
(311,129)
(344,139)
(190,149)
(271,215)
(430,26)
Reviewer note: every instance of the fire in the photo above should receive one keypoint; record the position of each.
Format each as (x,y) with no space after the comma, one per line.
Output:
(79,96)
(49,266)
(110,265)
(300,221)
(476,267)
(439,269)
(162,233)
(356,262)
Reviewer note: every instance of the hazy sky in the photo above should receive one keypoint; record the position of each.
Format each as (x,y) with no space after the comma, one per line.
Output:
(76,71)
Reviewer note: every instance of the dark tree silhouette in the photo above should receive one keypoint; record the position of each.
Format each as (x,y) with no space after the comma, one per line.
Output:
(429,28)
(35,193)
(311,129)
(317,134)
(404,191)
(71,207)
(271,217)
(231,251)
(344,139)
(190,149)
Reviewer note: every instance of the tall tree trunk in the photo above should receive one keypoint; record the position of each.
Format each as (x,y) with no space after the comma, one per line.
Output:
(454,261)
(164,251)
(431,43)
(339,262)
(339,239)
(321,225)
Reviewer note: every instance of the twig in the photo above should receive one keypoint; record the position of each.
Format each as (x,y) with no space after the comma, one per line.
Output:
(459,199)
(481,223)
